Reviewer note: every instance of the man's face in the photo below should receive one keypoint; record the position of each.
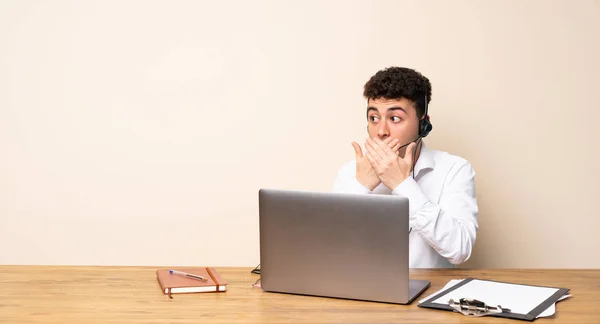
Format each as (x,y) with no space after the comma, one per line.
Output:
(393,118)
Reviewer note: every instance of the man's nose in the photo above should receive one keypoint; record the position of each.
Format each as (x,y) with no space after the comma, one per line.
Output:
(383,130)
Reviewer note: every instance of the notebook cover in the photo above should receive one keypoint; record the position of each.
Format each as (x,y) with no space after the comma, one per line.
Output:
(169,281)
(532,315)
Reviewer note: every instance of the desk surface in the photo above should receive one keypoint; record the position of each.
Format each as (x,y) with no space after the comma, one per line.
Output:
(50,294)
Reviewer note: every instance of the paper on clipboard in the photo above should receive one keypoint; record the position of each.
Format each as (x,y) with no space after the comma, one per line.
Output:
(541,293)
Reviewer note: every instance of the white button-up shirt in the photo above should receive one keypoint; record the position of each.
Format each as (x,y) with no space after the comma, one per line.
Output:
(443,209)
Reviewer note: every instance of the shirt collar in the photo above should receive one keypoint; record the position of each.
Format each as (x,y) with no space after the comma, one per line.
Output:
(425,160)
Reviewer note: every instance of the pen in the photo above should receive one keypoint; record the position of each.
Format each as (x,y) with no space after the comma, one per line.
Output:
(185,274)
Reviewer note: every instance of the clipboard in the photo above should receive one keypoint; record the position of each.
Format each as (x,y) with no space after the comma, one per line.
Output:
(521,302)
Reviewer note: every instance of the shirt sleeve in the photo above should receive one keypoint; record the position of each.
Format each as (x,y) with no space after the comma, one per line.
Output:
(345,181)
(449,227)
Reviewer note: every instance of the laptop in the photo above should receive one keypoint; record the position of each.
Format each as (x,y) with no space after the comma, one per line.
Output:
(337,245)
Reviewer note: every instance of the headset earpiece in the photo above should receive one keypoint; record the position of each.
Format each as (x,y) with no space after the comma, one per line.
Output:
(424,124)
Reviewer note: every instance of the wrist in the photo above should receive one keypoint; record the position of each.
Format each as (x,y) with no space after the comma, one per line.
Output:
(393,184)
(371,185)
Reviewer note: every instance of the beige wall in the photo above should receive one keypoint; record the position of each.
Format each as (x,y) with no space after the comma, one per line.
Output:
(138,132)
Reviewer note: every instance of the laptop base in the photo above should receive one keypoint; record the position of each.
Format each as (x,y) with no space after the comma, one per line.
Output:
(416,288)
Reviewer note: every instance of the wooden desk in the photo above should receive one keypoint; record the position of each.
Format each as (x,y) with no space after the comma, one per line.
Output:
(48,294)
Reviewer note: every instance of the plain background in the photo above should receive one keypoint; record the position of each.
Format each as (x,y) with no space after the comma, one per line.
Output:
(139,132)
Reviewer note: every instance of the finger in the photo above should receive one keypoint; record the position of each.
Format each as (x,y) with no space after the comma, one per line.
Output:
(384,147)
(384,150)
(396,148)
(373,149)
(357,150)
(391,143)
(373,161)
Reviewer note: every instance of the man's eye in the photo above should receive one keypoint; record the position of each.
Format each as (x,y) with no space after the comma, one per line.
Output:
(396,119)
(373,118)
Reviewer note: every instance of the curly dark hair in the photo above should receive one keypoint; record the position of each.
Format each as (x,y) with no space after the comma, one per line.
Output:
(399,82)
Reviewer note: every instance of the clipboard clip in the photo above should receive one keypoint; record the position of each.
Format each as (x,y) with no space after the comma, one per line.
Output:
(475,308)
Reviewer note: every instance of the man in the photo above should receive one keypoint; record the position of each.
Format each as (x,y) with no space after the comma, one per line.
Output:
(440,186)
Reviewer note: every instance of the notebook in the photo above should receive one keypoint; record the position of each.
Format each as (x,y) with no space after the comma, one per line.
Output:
(177,284)
(526,302)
